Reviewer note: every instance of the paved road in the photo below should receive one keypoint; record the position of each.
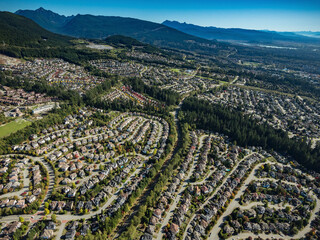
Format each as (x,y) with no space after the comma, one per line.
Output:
(205,178)
(51,181)
(235,79)
(60,230)
(254,204)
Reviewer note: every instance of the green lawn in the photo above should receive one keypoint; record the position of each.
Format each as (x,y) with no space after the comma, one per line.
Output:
(13,126)
(175,70)
(223,82)
(251,64)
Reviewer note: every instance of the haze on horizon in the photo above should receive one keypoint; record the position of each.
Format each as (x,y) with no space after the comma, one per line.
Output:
(281,15)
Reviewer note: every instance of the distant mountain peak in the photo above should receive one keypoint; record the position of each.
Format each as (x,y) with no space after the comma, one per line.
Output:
(17,30)
(41,9)
(46,18)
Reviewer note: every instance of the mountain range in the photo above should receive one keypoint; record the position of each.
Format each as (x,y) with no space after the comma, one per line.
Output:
(17,30)
(100,27)
(244,35)
(168,34)
(23,37)
(46,18)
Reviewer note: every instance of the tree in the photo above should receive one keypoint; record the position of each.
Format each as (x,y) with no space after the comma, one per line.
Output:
(287,209)
(54,217)
(21,219)
(295,230)
(101,167)
(46,211)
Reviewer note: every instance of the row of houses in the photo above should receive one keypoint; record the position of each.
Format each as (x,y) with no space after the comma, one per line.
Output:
(19,97)
(203,159)
(11,173)
(163,203)
(56,71)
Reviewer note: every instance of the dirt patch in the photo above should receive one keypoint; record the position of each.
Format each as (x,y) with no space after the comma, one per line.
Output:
(5,60)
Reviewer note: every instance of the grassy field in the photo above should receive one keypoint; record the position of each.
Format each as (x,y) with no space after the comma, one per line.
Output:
(13,126)
(177,70)
(251,64)
(223,82)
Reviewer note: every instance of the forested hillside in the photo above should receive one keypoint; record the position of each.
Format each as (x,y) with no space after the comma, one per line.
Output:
(100,27)
(17,30)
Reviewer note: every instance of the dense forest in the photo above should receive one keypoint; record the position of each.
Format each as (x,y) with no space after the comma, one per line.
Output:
(246,131)
(17,30)
(22,38)
(69,54)
(163,95)
(91,97)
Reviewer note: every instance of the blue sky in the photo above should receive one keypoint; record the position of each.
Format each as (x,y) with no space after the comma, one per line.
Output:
(280,15)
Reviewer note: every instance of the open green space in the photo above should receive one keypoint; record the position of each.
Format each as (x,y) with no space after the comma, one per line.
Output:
(11,127)
(251,64)
(223,82)
(175,70)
